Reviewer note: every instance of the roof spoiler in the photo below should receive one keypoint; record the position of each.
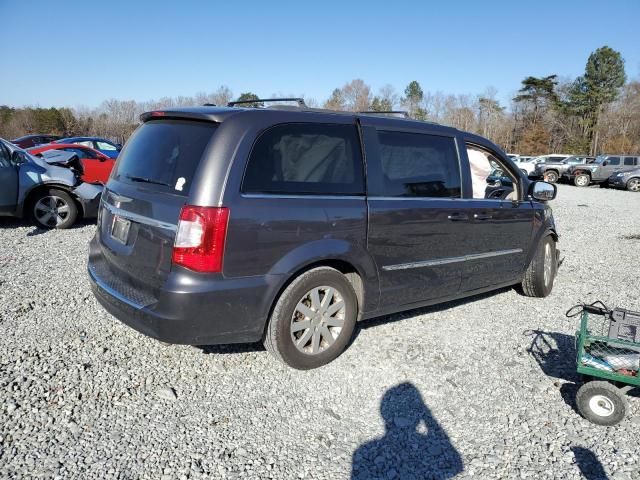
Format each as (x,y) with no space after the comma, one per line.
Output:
(299,101)
(404,113)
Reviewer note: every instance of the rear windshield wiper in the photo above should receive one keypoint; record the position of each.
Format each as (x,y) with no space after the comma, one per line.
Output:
(133,178)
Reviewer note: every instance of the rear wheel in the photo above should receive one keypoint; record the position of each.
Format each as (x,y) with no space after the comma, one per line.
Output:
(602,403)
(582,180)
(633,185)
(551,176)
(541,273)
(54,208)
(313,319)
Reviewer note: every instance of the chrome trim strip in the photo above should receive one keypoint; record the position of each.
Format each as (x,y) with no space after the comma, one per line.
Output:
(140,218)
(113,292)
(320,197)
(444,261)
(432,199)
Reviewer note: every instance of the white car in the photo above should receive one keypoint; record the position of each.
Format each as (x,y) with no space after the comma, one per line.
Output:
(530,165)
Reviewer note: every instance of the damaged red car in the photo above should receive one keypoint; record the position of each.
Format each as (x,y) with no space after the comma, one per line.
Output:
(96,165)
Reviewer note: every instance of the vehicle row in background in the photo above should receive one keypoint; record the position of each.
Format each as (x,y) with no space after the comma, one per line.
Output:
(602,168)
(104,146)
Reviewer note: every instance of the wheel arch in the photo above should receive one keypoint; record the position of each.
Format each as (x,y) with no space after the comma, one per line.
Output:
(31,194)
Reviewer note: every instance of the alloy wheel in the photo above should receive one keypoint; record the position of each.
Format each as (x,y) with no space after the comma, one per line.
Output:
(51,210)
(317,320)
(634,185)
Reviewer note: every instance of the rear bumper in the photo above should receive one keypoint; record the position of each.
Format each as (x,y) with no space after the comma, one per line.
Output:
(212,312)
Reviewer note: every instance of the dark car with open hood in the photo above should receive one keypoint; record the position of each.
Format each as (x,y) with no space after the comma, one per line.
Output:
(288,224)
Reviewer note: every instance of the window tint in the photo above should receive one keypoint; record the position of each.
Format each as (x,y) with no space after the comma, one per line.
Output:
(629,160)
(419,165)
(613,161)
(106,146)
(5,158)
(306,159)
(164,153)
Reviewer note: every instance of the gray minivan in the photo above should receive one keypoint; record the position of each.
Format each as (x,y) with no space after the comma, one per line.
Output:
(289,224)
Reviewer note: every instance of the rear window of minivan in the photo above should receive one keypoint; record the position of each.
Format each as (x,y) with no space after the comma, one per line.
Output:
(164,154)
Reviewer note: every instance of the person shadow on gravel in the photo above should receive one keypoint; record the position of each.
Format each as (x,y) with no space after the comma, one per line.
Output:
(414,445)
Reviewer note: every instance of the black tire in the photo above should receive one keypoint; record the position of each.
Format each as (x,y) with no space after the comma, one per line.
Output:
(536,282)
(279,339)
(604,184)
(633,185)
(602,403)
(582,180)
(58,203)
(551,176)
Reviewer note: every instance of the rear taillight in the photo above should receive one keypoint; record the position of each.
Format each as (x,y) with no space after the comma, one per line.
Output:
(199,243)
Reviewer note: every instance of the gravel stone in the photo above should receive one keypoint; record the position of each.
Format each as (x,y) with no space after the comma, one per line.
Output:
(480,388)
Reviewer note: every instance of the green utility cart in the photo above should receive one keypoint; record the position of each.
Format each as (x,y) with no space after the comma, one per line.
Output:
(608,357)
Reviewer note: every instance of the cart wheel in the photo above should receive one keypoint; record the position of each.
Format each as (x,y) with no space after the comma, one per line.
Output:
(602,403)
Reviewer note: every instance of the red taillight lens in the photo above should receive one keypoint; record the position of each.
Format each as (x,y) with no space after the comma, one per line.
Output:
(199,243)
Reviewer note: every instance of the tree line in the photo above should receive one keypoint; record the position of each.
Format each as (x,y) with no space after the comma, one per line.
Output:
(596,112)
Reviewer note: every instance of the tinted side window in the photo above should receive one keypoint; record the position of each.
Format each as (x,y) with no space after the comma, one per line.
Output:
(613,161)
(5,157)
(306,159)
(419,165)
(629,160)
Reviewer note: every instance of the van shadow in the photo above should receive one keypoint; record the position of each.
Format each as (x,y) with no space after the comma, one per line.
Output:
(440,307)
(231,349)
(414,445)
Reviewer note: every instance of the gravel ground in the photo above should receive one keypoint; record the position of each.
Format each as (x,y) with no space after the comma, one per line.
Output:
(482,388)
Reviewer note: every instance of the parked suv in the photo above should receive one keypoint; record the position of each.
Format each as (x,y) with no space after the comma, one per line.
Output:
(222,225)
(552,171)
(530,165)
(601,169)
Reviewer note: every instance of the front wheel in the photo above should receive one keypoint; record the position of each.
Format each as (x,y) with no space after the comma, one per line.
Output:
(313,319)
(633,185)
(551,176)
(582,180)
(54,208)
(541,273)
(602,403)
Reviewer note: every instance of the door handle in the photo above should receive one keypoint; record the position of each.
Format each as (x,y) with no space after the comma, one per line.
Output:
(457,217)
(482,216)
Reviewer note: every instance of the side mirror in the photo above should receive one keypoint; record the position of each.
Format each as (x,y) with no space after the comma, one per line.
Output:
(543,191)
(605,163)
(18,158)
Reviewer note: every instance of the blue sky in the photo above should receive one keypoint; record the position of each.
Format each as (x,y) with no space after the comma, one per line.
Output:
(70,53)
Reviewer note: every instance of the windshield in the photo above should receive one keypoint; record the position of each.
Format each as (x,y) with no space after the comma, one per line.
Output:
(165,153)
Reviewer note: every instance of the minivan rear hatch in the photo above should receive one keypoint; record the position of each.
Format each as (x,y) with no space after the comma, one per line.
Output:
(141,204)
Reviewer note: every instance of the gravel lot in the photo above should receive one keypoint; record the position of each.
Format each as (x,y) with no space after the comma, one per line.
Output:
(480,388)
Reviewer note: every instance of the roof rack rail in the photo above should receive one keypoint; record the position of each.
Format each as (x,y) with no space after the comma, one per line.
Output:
(404,113)
(300,101)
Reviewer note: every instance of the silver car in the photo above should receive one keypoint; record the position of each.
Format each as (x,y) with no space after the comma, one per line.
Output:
(46,188)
